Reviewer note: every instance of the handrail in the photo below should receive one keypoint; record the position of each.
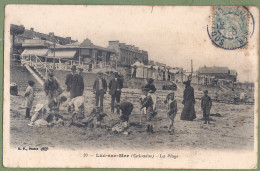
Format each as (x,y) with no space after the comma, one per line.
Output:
(42,63)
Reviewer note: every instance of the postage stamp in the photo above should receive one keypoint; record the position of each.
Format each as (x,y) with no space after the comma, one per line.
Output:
(232,27)
(130,87)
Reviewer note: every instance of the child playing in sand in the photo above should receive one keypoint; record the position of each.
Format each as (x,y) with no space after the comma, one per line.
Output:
(206,104)
(147,102)
(172,106)
(126,110)
(40,111)
(29,97)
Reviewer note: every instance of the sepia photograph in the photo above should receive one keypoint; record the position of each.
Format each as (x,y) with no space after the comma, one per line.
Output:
(93,86)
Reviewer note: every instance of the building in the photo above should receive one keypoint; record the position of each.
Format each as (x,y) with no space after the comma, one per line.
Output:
(218,73)
(19,38)
(86,54)
(126,55)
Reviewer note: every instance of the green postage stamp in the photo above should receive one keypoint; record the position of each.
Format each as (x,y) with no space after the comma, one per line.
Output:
(128,86)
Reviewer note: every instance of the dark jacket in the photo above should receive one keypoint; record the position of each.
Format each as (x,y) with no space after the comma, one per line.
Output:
(206,102)
(72,82)
(151,87)
(51,87)
(127,109)
(188,95)
(147,102)
(96,84)
(114,85)
(81,85)
(173,107)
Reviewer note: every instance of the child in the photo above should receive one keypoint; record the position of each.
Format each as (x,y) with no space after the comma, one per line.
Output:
(126,108)
(147,102)
(29,97)
(172,106)
(40,111)
(206,104)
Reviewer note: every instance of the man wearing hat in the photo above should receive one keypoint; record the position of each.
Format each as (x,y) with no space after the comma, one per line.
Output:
(206,104)
(72,82)
(99,89)
(81,82)
(188,112)
(115,86)
(51,87)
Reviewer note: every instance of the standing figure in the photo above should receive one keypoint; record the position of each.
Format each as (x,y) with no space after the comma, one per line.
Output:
(172,107)
(72,82)
(188,112)
(29,97)
(152,91)
(81,82)
(115,86)
(206,104)
(147,102)
(52,89)
(100,88)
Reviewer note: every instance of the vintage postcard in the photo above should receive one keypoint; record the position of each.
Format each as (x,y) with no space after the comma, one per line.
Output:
(131,86)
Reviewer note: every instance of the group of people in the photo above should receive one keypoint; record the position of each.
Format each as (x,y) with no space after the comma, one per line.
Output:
(75,85)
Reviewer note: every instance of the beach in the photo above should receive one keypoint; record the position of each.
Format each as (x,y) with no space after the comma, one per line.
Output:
(233,130)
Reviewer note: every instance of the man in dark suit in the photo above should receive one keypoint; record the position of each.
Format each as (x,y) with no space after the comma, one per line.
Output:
(115,86)
(72,82)
(100,88)
(81,82)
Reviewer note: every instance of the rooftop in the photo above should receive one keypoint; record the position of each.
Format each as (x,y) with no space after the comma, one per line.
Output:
(213,70)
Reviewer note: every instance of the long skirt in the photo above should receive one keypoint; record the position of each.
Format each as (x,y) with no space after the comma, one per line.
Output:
(188,112)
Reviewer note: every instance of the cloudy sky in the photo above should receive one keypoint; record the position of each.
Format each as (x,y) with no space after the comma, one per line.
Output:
(172,35)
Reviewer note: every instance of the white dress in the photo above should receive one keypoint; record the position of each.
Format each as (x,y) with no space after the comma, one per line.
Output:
(29,98)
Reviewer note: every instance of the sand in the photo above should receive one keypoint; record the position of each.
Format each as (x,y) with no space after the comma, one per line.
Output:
(234,130)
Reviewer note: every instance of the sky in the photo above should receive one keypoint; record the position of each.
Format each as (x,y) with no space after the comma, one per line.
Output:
(171,35)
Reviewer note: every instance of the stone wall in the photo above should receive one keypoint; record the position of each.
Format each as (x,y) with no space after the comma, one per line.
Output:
(20,75)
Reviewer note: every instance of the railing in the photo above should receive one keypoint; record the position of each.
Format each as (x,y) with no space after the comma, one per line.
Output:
(37,63)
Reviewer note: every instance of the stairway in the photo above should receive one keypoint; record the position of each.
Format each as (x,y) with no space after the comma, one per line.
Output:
(20,75)
(36,74)
(225,88)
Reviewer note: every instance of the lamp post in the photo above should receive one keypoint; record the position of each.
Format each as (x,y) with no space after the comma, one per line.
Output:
(54,55)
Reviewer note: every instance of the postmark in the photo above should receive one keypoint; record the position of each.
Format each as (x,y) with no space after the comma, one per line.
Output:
(231,27)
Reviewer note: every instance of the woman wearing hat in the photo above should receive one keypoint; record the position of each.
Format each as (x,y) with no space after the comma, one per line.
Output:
(29,97)
(188,112)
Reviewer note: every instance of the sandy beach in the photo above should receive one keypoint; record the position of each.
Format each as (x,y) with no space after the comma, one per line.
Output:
(234,130)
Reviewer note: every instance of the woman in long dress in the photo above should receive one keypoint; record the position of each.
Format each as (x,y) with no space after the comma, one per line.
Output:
(188,112)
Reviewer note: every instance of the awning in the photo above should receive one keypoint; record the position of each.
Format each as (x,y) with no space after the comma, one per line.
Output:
(147,66)
(63,54)
(156,67)
(38,52)
(174,71)
(138,64)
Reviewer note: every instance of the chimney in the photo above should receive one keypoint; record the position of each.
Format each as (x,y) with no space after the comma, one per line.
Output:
(51,34)
(32,29)
(68,39)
